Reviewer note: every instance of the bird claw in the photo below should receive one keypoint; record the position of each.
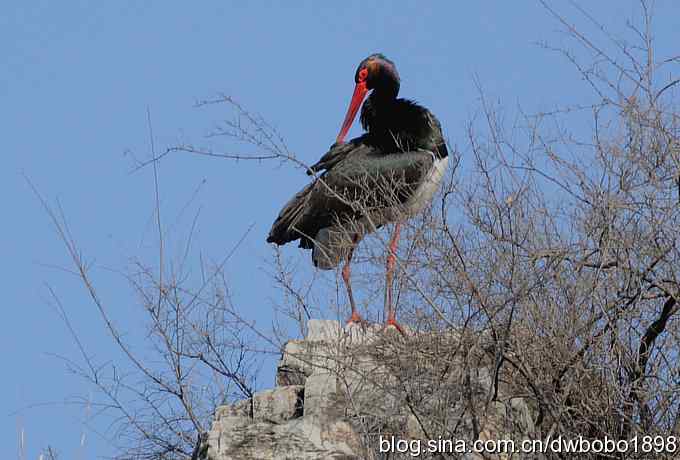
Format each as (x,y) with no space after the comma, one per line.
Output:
(392,322)
(356,319)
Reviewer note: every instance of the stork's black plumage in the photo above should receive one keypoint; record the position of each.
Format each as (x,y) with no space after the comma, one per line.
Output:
(385,175)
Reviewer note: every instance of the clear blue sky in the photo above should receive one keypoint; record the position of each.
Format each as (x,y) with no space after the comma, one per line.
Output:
(77,77)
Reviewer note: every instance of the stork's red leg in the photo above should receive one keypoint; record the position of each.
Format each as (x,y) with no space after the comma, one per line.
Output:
(346,271)
(389,276)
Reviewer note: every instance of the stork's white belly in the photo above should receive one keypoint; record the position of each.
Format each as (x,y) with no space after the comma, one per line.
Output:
(428,187)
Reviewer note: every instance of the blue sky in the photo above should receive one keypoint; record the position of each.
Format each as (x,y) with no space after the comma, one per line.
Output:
(77,78)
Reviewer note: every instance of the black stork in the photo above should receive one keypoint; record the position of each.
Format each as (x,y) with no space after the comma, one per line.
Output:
(387,175)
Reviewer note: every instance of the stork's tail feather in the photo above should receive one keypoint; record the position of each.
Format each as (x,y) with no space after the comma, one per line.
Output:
(284,228)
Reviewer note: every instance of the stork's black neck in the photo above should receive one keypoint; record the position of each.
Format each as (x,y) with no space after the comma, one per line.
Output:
(375,113)
(401,125)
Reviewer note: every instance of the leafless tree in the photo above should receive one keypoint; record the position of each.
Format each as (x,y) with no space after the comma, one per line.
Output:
(200,351)
(548,260)
(49,454)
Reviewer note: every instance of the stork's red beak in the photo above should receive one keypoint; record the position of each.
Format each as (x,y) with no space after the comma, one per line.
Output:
(360,91)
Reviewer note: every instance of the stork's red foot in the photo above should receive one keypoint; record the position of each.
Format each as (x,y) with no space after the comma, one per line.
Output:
(397,326)
(356,319)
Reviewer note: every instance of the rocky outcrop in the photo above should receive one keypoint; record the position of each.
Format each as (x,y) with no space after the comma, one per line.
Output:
(352,393)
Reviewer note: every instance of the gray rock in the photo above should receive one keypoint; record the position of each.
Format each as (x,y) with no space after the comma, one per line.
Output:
(322,397)
(339,389)
(279,404)
(292,370)
(323,330)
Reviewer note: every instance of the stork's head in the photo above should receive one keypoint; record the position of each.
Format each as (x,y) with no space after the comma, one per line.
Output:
(377,73)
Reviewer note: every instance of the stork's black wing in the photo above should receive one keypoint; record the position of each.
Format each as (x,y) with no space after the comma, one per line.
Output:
(360,179)
(337,153)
